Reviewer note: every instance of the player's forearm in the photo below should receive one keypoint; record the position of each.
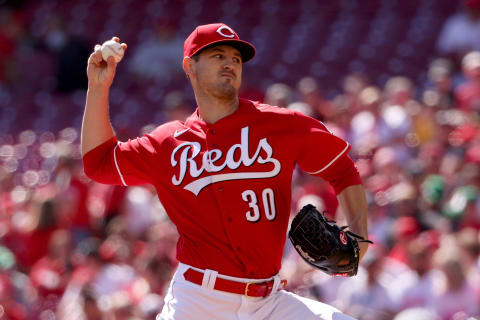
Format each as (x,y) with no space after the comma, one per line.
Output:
(96,127)
(353,202)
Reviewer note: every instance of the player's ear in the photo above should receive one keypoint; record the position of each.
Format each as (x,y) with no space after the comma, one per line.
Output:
(188,66)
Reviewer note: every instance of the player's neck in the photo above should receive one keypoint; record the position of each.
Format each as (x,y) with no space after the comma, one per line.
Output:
(212,110)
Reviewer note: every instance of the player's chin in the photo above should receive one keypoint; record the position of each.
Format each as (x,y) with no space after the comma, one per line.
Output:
(226,91)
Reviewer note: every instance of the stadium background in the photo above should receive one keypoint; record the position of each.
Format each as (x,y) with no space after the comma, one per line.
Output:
(74,249)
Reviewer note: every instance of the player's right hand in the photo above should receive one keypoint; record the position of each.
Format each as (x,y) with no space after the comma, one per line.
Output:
(99,72)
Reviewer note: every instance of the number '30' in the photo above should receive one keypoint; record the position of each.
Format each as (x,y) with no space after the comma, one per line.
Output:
(268,201)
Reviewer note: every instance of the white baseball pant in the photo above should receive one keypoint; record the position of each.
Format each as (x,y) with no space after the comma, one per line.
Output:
(188,301)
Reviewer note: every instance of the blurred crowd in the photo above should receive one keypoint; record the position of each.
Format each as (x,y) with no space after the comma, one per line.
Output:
(73,249)
(419,161)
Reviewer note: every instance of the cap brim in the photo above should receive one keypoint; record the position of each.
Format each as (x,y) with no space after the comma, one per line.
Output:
(247,50)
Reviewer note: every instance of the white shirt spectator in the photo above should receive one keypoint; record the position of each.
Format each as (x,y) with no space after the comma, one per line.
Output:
(358,298)
(448,303)
(420,293)
(396,277)
(459,35)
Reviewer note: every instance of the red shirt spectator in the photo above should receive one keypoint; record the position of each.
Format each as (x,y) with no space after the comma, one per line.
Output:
(468,93)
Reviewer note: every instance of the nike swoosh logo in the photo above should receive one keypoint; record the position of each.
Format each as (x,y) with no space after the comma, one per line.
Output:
(178,133)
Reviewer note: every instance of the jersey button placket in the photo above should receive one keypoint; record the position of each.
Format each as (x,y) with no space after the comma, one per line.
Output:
(211,144)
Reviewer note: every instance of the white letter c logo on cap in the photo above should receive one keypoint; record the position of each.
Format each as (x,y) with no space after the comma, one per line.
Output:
(220,32)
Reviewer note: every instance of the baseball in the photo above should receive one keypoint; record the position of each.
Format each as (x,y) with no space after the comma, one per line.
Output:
(112,48)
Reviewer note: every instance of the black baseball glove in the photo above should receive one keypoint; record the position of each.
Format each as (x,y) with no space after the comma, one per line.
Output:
(323,244)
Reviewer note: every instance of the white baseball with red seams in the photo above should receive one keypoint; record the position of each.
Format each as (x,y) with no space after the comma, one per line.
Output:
(112,48)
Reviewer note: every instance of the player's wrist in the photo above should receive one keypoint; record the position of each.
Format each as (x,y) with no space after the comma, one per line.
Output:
(363,249)
(98,87)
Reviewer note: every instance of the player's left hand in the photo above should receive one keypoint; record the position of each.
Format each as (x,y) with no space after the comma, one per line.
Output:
(325,245)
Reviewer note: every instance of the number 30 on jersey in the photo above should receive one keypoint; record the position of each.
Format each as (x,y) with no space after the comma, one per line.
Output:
(268,204)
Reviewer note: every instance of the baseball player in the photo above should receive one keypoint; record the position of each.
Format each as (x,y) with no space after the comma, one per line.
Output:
(224,177)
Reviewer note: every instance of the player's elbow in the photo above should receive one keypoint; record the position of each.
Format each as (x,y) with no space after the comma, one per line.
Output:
(97,163)
(92,168)
(344,178)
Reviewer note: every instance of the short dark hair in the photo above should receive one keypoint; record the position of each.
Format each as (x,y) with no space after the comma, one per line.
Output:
(196,57)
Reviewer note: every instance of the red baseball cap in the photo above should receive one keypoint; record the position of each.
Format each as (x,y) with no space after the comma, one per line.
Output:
(209,35)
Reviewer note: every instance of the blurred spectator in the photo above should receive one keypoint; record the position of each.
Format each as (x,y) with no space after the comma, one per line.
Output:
(50,274)
(10,305)
(80,303)
(398,90)
(424,127)
(420,292)
(11,31)
(70,51)
(72,199)
(441,93)
(79,293)
(310,93)
(353,85)
(459,34)
(469,244)
(112,204)
(468,93)
(366,297)
(35,244)
(438,97)
(405,230)
(157,56)
(86,262)
(278,94)
(417,314)
(455,295)
(461,208)
(302,107)
(47,274)
(395,119)
(176,106)
(365,124)
(251,90)
(142,209)
(90,306)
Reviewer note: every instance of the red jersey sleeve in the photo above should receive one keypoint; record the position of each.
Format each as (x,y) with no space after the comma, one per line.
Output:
(325,155)
(122,163)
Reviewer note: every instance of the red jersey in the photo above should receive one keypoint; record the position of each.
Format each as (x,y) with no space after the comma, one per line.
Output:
(468,96)
(227,185)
